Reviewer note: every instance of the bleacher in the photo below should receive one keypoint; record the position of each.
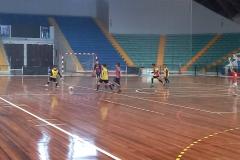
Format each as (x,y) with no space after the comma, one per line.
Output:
(27,26)
(226,44)
(84,36)
(180,49)
(142,49)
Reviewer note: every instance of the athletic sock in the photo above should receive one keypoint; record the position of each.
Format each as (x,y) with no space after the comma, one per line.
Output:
(110,87)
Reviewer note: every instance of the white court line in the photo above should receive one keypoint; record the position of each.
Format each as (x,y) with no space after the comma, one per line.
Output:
(45,119)
(42,125)
(35,94)
(210,84)
(61,130)
(191,91)
(229,112)
(201,89)
(158,92)
(149,100)
(129,106)
(48,94)
(174,96)
(45,94)
(200,95)
(196,87)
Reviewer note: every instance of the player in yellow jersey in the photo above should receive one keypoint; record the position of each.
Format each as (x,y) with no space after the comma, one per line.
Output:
(54,74)
(104,77)
(166,74)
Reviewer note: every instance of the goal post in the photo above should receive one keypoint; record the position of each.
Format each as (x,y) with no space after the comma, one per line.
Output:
(87,60)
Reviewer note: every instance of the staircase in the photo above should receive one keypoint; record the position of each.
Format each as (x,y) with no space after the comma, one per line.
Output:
(4,65)
(161,51)
(115,44)
(64,47)
(214,40)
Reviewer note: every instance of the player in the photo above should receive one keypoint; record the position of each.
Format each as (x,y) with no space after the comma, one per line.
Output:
(166,74)
(54,74)
(117,76)
(97,69)
(156,74)
(234,85)
(104,78)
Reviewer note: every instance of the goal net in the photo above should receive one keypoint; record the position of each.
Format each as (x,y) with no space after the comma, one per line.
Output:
(70,62)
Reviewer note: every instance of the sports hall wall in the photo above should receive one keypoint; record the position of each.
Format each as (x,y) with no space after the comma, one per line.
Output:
(50,7)
(165,17)
(237,18)
(102,12)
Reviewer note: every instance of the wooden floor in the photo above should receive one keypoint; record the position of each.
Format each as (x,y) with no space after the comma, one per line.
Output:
(195,118)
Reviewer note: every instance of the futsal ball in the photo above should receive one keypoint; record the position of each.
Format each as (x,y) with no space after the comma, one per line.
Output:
(70,88)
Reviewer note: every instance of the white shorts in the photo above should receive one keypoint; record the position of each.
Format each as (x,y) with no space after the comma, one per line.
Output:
(235,84)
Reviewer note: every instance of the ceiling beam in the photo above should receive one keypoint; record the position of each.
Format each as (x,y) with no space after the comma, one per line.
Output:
(226,8)
(235,4)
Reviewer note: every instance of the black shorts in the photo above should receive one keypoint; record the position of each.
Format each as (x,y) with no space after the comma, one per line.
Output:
(98,75)
(52,79)
(117,80)
(103,81)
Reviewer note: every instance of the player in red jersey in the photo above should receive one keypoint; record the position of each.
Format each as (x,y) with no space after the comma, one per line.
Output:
(156,74)
(117,76)
(234,85)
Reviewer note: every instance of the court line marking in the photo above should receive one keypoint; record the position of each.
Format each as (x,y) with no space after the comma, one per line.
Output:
(176,94)
(129,106)
(176,105)
(45,94)
(61,130)
(183,152)
(188,91)
(170,104)
(184,90)
(42,125)
(211,84)
(50,119)
(192,96)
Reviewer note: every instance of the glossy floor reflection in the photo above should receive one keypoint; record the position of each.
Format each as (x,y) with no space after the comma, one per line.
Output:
(192,117)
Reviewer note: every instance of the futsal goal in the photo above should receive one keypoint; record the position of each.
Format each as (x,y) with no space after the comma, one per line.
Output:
(75,63)
(88,61)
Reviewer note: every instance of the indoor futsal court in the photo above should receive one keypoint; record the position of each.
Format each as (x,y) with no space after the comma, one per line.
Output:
(119,80)
(194,118)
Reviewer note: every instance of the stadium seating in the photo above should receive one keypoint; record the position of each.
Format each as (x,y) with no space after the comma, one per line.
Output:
(142,49)
(180,49)
(226,44)
(85,36)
